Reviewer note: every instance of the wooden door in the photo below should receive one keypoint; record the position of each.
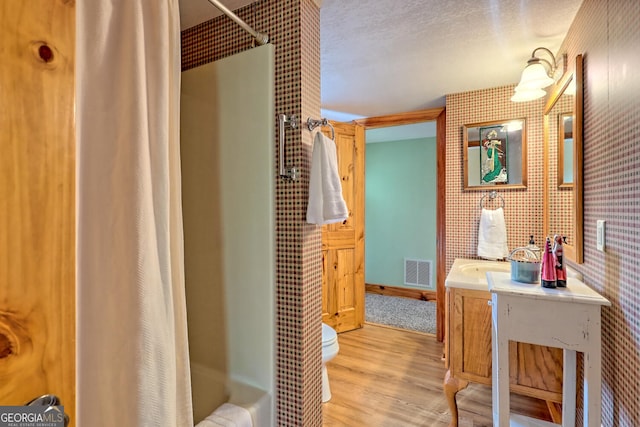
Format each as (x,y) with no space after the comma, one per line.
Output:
(343,243)
(37,202)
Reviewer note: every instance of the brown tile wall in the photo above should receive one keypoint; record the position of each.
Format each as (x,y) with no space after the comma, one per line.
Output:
(294,29)
(607,33)
(523,207)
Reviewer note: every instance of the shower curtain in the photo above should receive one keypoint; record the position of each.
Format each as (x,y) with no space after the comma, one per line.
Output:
(132,351)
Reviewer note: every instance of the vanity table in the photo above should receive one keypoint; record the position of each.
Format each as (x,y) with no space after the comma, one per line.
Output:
(536,371)
(566,318)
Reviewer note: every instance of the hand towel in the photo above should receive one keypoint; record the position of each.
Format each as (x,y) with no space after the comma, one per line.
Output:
(326,204)
(492,235)
(228,415)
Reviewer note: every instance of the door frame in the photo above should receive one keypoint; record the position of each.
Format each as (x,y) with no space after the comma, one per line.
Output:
(439,116)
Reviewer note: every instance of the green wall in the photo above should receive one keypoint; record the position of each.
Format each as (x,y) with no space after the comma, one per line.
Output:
(400,208)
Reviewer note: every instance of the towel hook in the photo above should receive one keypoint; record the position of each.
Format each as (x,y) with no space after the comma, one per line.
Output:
(492,196)
(314,123)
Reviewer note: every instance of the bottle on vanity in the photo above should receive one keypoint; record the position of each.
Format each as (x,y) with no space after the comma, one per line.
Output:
(533,248)
(548,267)
(561,269)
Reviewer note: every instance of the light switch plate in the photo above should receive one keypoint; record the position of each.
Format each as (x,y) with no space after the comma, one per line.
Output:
(600,237)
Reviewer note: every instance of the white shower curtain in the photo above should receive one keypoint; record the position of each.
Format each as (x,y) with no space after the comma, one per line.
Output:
(132,351)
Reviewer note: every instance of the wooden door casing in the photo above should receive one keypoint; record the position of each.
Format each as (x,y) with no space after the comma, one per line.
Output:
(37,202)
(411,117)
(343,243)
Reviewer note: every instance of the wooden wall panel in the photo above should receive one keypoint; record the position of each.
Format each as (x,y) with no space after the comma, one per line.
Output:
(37,201)
(344,273)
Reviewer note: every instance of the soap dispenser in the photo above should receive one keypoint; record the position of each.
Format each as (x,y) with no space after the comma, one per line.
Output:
(561,269)
(548,268)
(533,248)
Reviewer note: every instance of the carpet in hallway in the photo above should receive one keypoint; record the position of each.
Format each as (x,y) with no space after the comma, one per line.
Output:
(399,312)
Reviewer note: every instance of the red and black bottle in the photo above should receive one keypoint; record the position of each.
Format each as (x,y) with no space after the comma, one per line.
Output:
(548,268)
(561,269)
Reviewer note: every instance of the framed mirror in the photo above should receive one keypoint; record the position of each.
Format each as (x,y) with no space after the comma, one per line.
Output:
(495,155)
(563,162)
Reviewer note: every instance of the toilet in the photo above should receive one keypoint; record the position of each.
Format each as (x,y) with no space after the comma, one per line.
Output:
(329,351)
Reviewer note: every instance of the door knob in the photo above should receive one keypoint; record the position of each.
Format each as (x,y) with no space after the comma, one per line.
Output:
(48,400)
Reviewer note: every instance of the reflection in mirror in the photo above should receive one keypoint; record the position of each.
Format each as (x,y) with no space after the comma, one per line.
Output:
(565,149)
(560,192)
(495,154)
(563,162)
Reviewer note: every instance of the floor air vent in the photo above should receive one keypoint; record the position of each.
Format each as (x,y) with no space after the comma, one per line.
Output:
(417,272)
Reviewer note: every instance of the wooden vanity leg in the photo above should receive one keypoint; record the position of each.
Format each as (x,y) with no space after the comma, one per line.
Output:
(555,411)
(451,387)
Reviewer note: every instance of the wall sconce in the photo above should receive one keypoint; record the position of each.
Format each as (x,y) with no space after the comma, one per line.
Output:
(536,76)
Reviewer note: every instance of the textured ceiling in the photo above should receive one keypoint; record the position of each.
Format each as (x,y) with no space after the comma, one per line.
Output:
(386,56)
(193,12)
(383,57)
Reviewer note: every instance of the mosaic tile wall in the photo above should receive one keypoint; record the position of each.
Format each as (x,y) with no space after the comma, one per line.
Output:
(293,27)
(607,33)
(523,207)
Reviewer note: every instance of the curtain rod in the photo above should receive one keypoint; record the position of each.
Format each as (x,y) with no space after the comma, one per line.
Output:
(261,38)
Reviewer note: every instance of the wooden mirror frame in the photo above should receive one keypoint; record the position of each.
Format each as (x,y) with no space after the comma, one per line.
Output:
(573,252)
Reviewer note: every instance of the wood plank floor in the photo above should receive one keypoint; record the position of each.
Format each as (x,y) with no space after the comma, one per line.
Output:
(385,377)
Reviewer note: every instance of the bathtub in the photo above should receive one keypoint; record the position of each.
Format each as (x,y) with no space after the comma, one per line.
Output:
(211,388)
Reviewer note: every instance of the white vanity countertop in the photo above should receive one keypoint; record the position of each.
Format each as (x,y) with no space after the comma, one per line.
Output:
(472,273)
(576,291)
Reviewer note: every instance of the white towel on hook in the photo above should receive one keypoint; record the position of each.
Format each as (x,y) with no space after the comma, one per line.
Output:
(492,235)
(326,204)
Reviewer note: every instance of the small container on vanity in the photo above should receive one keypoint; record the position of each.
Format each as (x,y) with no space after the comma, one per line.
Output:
(525,265)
